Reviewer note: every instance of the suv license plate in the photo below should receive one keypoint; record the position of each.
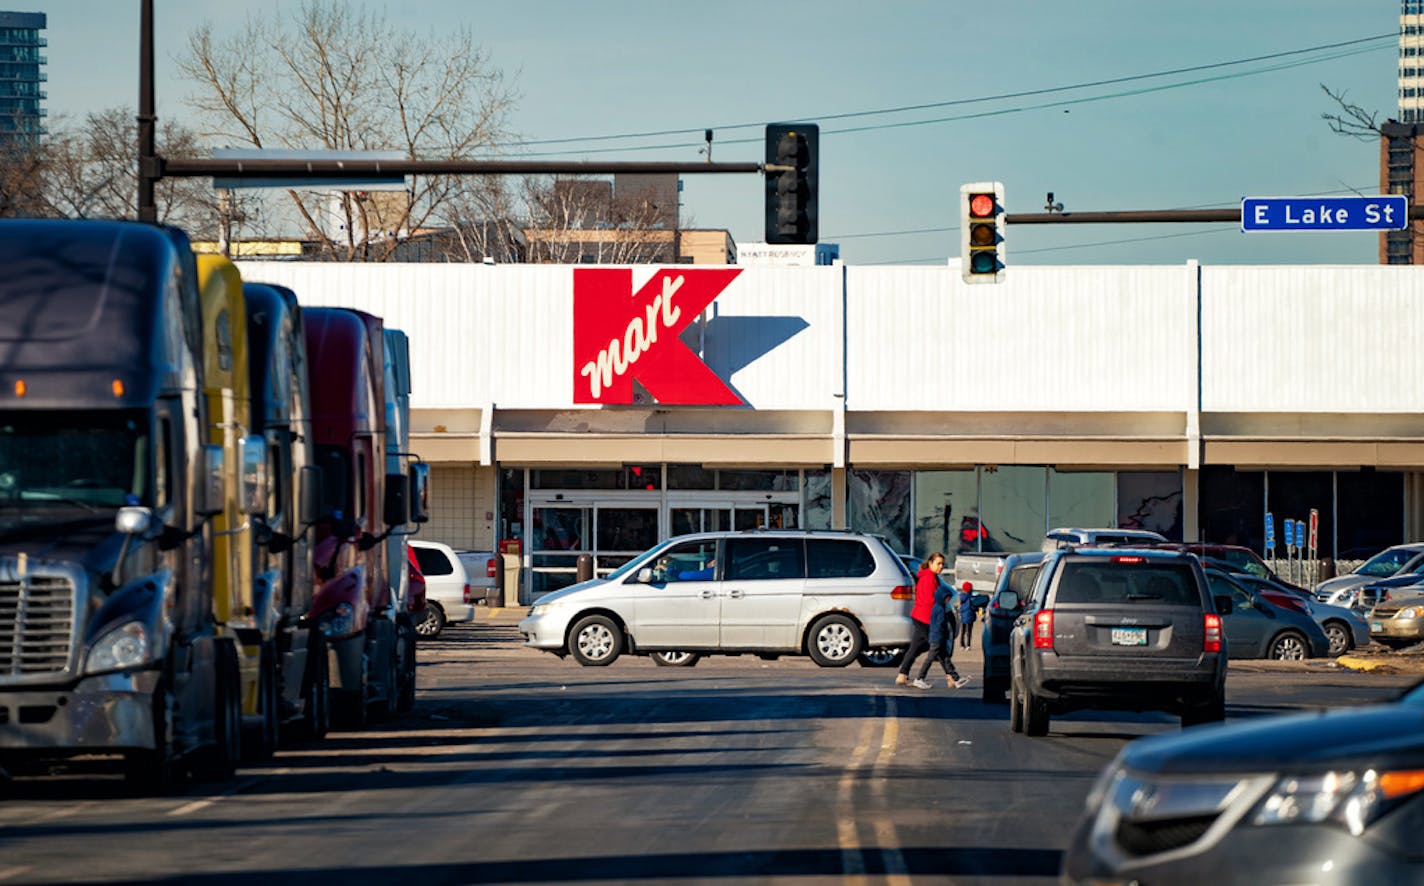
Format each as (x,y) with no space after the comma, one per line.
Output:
(1129,636)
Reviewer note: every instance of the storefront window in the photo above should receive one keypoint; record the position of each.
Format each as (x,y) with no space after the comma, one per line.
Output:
(1080,498)
(627,530)
(759,481)
(1150,500)
(880,504)
(691,477)
(819,509)
(1291,494)
(1011,501)
(561,528)
(511,505)
(645,477)
(945,503)
(1233,507)
(1371,511)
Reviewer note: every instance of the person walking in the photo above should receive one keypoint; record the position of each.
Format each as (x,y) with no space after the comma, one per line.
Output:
(967,615)
(941,640)
(931,598)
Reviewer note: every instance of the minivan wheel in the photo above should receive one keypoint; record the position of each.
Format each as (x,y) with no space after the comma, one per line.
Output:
(675,659)
(881,658)
(430,621)
(834,641)
(1339,636)
(1289,646)
(595,641)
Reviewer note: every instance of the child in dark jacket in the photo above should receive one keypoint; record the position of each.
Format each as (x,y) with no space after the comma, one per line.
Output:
(942,640)
(966,620)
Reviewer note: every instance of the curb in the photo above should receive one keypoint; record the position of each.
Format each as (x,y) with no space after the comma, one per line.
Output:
(1391,664)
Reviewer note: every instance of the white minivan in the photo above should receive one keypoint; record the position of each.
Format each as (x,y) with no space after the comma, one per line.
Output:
(447,590)
(831,595)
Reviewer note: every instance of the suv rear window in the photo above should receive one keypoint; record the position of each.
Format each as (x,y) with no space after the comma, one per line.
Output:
(1114,581)
(838,558)
(432,561)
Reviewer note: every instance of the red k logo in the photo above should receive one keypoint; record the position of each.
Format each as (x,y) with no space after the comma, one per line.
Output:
(621,336)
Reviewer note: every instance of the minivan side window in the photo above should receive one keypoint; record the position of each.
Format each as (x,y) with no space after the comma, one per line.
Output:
(838,558)
(432,561)
(764,558)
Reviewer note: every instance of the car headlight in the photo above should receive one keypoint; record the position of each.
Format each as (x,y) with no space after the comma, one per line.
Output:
(1410,612)
(544,608)
(1346,798)
(340,621)
(125,646)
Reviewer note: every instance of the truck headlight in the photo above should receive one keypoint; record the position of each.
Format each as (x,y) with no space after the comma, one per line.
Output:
(125,646)
(1346,798)
(339,621)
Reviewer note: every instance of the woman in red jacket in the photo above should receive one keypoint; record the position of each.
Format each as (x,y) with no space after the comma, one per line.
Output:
(926,583)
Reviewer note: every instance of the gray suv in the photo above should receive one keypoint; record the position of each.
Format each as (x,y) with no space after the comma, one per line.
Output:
(1117,629)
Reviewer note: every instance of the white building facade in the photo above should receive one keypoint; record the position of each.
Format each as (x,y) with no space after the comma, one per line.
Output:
(1188,399)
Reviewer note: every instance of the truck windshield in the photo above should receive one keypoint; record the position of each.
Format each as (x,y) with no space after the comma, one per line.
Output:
(67,459)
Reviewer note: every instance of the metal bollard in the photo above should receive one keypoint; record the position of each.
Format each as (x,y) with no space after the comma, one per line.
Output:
(585,567)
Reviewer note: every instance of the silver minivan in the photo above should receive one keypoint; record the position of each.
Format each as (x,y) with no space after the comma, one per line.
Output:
(827,594)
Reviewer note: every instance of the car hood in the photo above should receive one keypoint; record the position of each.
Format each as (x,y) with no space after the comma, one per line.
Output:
(1398,581)
(1342,582)
(1342,738)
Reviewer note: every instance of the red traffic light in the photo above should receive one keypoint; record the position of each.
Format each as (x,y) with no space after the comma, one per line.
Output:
(981,205)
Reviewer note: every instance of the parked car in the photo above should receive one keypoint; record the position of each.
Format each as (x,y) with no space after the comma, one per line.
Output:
(1398,622)
(978,571)
(1058,538)
(1342,590)
(481,571)
(1259,628)
(1332,797)
(1344,628)
(1013,590)
(1237,557)
(826,594)
(1118,629)
(447,591)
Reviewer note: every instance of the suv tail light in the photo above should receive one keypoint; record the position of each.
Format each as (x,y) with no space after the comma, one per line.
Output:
(1043,629)
(467,594)
(903,592)
(489,568)
(1211,632)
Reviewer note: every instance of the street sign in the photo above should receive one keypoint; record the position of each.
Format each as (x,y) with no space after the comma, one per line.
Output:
(1270,534)
(1314,529)
(1290,532)
(1381,213)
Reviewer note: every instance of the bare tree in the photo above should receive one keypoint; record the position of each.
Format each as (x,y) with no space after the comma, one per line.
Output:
(1352,119)
(573,220)
(22,166)
(332,78)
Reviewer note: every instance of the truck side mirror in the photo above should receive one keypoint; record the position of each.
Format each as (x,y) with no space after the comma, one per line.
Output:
(210,493)
(419,474)
(396,507)
(309,495)
(253,453)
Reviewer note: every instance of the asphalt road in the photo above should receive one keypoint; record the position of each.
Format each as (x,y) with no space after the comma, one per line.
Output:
(519,767)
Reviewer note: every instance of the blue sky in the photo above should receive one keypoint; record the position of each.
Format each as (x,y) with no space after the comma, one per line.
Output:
(626,66)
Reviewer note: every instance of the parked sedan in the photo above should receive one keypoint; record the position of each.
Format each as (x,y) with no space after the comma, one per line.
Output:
(1397,560)
(1257,628)
(1399,622)
(1336,797)
(1344,627)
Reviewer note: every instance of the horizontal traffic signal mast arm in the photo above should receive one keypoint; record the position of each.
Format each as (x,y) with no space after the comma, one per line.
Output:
(1145,216)
(308,169)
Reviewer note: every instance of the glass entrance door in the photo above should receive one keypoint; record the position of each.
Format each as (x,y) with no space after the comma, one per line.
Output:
(611,532)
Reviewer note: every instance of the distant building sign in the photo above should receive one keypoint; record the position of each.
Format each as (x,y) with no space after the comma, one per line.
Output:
(622,336)
(787,255)
(1325,213)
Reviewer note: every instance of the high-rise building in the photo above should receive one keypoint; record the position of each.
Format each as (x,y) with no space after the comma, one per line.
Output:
(1401,145)
(1411,62)
(21,76)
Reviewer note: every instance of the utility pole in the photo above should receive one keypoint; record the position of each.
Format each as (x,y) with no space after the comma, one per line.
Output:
(148,162)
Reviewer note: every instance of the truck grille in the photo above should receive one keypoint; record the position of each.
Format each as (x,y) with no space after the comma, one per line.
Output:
(36,625)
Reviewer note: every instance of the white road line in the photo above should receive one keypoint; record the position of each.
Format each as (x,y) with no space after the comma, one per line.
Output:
(189,808)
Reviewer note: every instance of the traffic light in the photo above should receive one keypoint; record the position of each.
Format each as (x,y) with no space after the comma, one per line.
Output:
(791,171)
(981,227)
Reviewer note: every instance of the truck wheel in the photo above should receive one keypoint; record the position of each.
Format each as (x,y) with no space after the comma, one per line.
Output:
(675,659)
(407,640)
(1288,646)
(261,742)
(348,706)
(152,772)
(218,761)
(316,689)
(1035,714)
(833,641)
(595,641)
(384,707)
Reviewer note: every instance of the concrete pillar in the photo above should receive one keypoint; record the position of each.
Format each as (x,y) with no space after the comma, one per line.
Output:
(838,498)
(1191,504)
